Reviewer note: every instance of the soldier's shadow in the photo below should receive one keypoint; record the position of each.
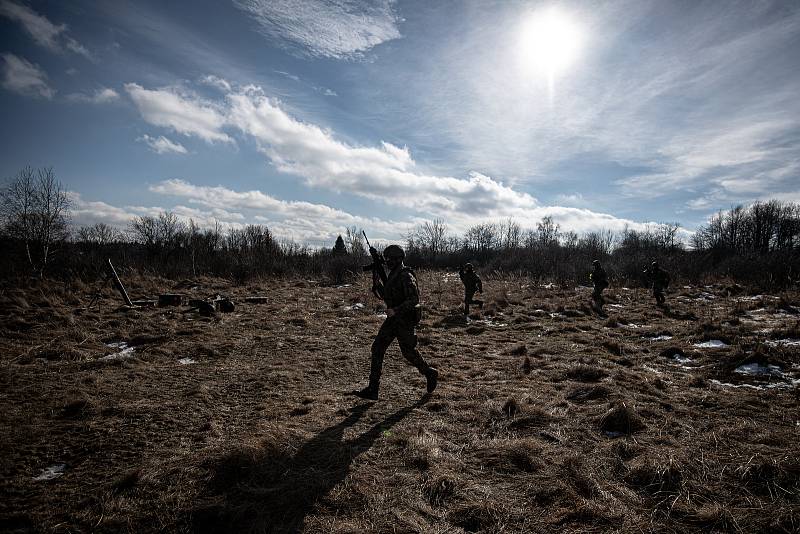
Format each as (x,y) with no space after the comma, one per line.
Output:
(273,490)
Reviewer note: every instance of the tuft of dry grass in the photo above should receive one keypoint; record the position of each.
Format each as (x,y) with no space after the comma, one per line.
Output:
(655,476)
(586,373)
(621,419)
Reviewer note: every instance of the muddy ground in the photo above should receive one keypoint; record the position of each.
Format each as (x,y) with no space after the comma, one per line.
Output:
(547,418)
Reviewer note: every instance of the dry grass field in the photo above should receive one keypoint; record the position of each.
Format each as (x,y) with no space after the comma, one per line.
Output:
(547,418)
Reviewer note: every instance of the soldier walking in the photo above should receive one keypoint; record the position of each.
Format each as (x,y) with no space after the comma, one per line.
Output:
(403,314)
(659,278)
(600,281)
(472,283)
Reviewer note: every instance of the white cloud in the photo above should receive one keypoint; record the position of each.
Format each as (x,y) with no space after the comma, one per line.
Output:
(185,114)
(216,82)
(162,145)
(45,33)
(325,28)
(104,95)
(21,76)
(87,213)
(383,173)
(299,220)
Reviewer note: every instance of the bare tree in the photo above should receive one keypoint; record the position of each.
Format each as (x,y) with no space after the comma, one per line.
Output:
(480,238)
(144,230)
(100,234)
(34,208)
(355,242)
(429,238)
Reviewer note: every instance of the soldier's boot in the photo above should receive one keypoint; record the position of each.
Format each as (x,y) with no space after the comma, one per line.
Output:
(479,303)
(371,391)
(432,379)
(367,393)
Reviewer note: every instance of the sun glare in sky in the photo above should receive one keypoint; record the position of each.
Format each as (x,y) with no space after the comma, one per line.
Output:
(549,44)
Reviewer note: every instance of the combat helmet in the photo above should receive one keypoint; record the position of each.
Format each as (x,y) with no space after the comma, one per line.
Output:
(394,251)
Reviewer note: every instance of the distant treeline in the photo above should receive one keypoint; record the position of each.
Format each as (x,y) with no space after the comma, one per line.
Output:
(756,245)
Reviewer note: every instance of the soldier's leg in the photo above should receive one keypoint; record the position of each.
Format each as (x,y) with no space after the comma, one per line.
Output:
(383,339)
(467,300)
(407,339)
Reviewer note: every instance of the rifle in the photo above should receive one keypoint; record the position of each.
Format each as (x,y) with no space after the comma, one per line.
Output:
(378,272)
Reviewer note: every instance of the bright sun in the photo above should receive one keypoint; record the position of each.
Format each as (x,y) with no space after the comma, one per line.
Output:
(550,42)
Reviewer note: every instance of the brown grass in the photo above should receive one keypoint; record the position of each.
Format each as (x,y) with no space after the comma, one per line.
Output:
(540,423)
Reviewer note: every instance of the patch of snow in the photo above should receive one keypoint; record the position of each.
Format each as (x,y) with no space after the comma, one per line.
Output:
(779,342)
(706,296)
(551,285)
(382,315)
(615,306)
(49,473)
(356,306)
(711,344)
(659,338)
(124,351)
(756,369)
(186,361)
(342,286)
(774,385)
(634,325)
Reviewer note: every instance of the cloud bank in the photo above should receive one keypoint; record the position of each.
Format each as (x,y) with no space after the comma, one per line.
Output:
(384,173)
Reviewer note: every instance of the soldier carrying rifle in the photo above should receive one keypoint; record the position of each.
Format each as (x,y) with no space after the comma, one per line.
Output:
(399,291)
(659,278)
(472,283)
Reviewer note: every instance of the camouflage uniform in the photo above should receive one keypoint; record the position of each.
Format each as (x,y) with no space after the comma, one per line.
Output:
(600,281)
(472,283)
(401,295)
(660,279)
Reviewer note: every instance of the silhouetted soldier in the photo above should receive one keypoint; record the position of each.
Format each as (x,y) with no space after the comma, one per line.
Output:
(403,314)
(600,281)
(659,278)
(472,283)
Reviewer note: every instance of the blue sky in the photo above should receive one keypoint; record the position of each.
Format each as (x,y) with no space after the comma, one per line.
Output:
(311,116)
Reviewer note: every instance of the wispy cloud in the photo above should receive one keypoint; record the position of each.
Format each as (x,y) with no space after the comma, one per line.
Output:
(183,113)
(23,77)
(53,37)
(700,100)
(318,88)
(162,145)
(104,95)
(325,28)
